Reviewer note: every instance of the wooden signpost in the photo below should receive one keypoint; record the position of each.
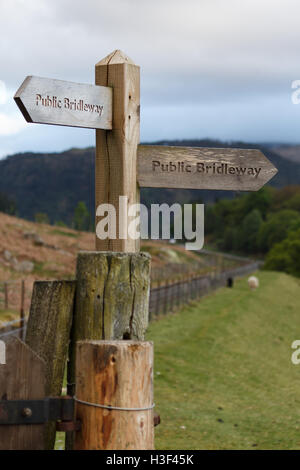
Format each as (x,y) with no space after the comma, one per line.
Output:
(112,107)
(113,283)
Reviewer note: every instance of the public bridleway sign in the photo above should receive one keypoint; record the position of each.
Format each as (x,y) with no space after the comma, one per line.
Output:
(48,101)
(112,107)
(203,168)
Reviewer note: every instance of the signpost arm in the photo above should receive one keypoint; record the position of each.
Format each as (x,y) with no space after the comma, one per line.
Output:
(116,150)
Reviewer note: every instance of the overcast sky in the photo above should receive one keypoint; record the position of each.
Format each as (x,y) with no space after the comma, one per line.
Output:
(209,68)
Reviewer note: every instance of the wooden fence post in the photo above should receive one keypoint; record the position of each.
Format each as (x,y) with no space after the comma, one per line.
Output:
(48,334)
(112,302)
(172,297)
(117,374)
(166,287)
(22,316)
(5,296)
(21,378)
(179,292)
(112,299)
(158,298)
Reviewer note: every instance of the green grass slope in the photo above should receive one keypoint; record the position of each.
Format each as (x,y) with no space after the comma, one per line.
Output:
(223,372)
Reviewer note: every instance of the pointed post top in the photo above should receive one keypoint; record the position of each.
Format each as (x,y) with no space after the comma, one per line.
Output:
(116,57)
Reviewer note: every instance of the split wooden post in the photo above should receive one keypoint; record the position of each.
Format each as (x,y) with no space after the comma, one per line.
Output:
(6,296)
(112,302)
(116,150)
(112,299)
(48,334)
(21,378)
(117,374)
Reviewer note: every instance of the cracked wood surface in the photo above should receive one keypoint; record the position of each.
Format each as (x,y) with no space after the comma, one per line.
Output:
(112,301)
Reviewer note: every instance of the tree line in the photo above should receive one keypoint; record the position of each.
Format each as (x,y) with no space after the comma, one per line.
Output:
(263,224)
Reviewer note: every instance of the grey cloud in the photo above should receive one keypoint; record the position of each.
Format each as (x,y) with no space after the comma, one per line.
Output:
(193,53)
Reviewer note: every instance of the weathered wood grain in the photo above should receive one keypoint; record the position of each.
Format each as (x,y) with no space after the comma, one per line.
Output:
(115,172)
(112,302)
(49,101)
(21,378)
(115,373)
(48,334)
(203,168)
(112,299)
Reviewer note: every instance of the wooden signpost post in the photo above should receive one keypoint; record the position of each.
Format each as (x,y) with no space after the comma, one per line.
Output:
(113,283)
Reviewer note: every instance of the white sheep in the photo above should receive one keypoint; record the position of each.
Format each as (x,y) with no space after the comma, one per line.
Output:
(253,282)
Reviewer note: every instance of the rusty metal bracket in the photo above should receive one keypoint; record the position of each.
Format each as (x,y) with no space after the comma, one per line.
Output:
(36,411)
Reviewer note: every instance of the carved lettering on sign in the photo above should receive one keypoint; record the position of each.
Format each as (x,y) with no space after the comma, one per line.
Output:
(50,101)
(68,103)
(161,166)
(200,167)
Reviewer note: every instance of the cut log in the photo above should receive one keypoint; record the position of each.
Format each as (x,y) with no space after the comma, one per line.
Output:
(116,374)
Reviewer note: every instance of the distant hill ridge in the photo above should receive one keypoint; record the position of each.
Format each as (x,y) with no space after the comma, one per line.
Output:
(290,152)
(54,183)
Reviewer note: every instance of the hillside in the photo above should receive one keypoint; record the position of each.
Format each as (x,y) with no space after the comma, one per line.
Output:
(32,251)
(290,152)
(223,372)
(55,183)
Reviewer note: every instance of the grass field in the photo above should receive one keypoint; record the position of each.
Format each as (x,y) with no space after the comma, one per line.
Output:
(223,372)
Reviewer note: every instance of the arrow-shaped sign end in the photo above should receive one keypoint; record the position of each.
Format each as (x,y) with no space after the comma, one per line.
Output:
(18,99)
(270,169)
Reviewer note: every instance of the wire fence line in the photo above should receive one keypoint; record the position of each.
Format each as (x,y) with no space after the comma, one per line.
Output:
(172,296)
(12,294)
(14,328)
(19,332)
(11,303)
(164,298)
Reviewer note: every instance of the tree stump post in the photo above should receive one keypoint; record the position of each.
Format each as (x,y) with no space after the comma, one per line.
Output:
(112,302)
(114,374)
